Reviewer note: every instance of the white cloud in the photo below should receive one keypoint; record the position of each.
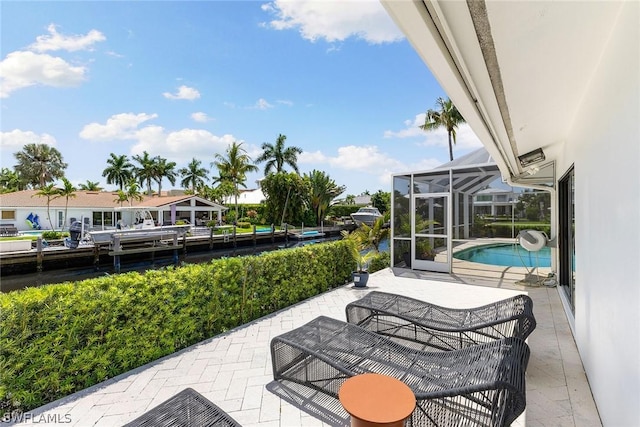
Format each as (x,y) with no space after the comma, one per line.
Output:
(25,68)
(366,160)
(178,146)
(181,146)
(57,41)
(201,117)
(22,69)
(262,104)
(17,138)
(334,21)
(118,127)
(465,137)
(184,92)
(285,102)
(13,141)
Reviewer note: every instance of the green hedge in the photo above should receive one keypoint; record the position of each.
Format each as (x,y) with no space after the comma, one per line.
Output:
(58,339)
(379,261)
(503,229)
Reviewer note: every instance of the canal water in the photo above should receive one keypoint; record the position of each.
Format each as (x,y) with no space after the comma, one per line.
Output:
(24,280)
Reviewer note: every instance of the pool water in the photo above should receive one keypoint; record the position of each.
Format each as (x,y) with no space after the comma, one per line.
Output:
(509,255)
(32,232)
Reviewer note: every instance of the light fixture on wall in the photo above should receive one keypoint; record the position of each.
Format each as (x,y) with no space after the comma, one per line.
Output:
(531,157)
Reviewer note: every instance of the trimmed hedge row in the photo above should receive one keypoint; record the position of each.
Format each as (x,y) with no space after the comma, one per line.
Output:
(503,229)
(58,339)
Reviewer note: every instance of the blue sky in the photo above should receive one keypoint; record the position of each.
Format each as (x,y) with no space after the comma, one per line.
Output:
(184,79)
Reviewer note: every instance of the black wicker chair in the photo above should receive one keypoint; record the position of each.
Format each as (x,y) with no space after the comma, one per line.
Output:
(427,326)
(482,385)
(186,409)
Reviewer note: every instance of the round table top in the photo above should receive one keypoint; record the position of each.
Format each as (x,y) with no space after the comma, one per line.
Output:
(377,398)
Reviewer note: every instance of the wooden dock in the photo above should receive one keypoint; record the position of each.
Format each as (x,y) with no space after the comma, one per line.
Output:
(110,255)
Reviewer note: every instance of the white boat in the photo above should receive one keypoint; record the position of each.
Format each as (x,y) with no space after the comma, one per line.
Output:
(366,215)
(135,221)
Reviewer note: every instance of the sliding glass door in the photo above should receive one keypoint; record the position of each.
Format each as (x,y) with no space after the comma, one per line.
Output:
(566,244)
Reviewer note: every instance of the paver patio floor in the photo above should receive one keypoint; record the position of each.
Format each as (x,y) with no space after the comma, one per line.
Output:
(233,370)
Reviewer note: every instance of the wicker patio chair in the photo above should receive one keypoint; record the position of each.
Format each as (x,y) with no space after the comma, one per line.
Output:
(427,326)
(482,385)
(186,409)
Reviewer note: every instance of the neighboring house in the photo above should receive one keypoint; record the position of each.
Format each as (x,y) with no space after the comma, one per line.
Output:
(494,202)
(99,210)
(552,89)
(246,197)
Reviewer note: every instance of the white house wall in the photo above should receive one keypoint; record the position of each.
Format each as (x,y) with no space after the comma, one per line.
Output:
(604,146)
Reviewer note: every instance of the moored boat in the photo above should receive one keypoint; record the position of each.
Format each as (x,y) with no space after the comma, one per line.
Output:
(134,221)
(366,215)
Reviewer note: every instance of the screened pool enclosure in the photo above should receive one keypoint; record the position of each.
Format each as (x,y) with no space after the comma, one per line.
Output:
(433,211)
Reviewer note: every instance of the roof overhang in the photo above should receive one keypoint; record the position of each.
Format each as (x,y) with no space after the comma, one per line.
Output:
(517,71)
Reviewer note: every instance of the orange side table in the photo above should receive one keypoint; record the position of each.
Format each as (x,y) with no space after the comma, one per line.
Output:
(376,400)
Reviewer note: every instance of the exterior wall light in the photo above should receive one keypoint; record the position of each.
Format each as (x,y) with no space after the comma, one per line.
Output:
(531,157)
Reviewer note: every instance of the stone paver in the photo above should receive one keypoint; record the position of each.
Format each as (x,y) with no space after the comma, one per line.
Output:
(233,370)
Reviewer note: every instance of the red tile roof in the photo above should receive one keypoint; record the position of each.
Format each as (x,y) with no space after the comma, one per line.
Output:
(83,199)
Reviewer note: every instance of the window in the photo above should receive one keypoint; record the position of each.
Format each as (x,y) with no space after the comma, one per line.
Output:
(566,241)
(9,215)
(484,198)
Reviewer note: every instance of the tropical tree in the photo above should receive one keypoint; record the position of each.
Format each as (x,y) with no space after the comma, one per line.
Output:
(164,169)
(39,164)
(276,156)
(446,116)
(371,236)
(10,181)
(51,193)
(193,176)
(286,196)
(350,199)
(90,186)
(234,168)
(67,191)
(322,191)
(119,170)
(146,172)
(133,192)
(121,197)
(381,200)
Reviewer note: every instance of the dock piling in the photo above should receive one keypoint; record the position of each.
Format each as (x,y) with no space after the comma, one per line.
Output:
(40,254)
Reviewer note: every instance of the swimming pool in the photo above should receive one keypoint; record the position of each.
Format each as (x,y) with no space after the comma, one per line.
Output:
(507,255)
(31,232)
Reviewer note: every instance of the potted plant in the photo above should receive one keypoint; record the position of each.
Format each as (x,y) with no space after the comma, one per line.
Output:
(425,251)
(366,242)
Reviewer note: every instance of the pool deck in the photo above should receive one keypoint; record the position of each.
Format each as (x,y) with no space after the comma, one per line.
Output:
(233,370)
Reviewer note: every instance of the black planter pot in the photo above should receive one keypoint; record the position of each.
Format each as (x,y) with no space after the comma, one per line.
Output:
(360,279)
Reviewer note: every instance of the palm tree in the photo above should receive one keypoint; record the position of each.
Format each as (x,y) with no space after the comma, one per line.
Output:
(276,156)
(39,164)
(133,192)
(448,117)
(234,168)
(51,193)
(164,169)
(322,192)
(146,172)
(350,199)
(67,191)
(119,171)
(90,186)
(10,181)
(193,176)
(122,197)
